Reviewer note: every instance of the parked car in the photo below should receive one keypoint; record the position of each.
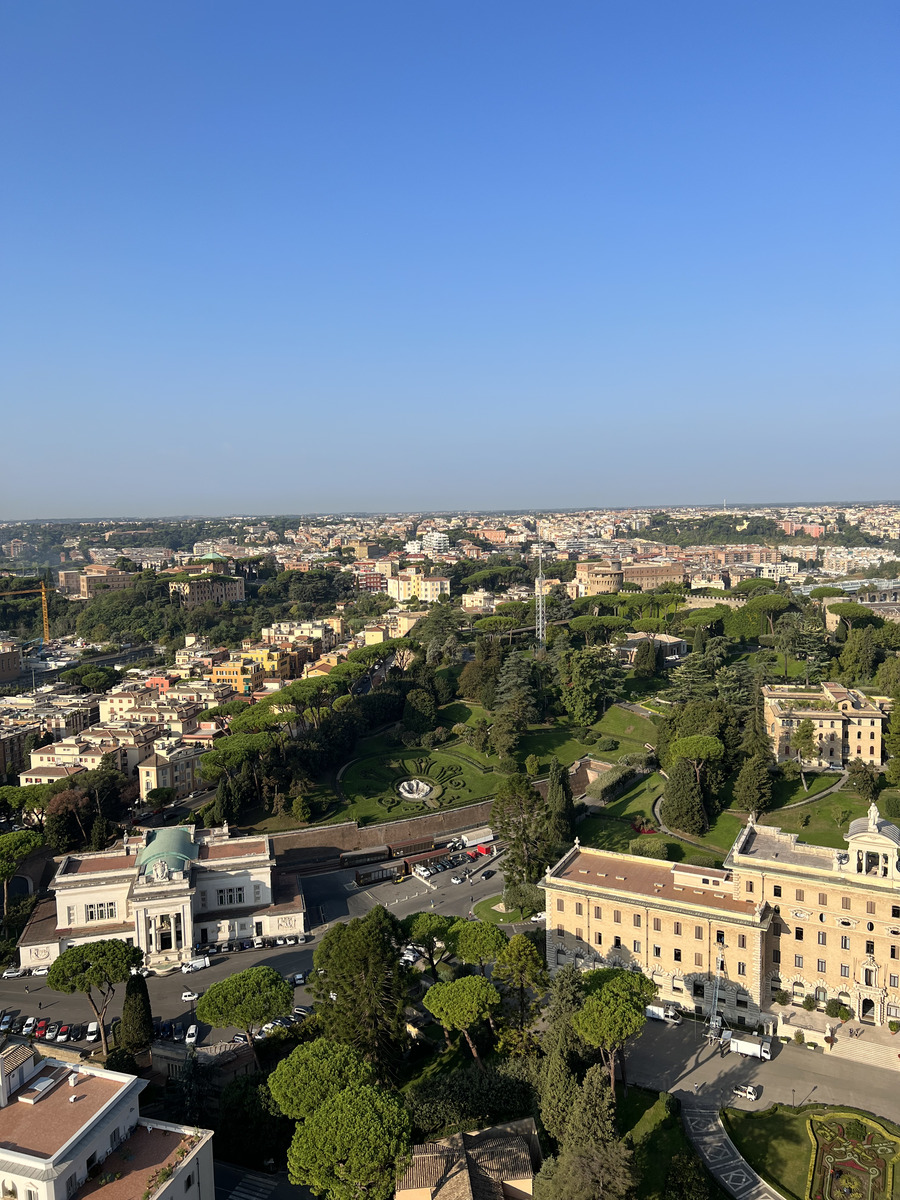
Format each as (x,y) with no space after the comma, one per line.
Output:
(40,1030)
(541,916)
(165,1030)
(28,1026)
(52,1031)
(190,1038)
(299,1011)
(488,874)
(178,1031)
(76,1033)
(189,997)
(240,1039)
(65,1032)
(745,1091)
(456,879)
(5,1022)
(93,1032)
(14,973)
(157,1025)
(18,1024)
(41,971)
(140,971)
(297,979)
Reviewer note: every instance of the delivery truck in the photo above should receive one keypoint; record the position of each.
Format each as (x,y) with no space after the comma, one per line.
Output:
(663,1012)
(749,1047)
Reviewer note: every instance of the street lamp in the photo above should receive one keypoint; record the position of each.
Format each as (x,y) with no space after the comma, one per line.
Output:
(793,1094)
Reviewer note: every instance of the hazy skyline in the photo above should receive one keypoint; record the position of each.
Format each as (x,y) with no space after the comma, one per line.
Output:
(347,257)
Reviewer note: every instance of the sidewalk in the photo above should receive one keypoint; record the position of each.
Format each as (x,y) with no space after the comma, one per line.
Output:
(719,1153)
(855,1041)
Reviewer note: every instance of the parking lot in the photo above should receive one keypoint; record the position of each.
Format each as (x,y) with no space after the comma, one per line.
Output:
(330,898)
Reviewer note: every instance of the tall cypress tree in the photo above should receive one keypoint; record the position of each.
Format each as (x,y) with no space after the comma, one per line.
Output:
(560,804)
(136,1032)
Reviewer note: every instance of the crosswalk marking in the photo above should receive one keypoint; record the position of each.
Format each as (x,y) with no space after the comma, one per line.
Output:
(252,1188)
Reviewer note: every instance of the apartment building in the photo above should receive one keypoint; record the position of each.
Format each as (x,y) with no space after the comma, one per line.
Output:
(173,763)
(847,723)
(648,576)
(12,747)
(780,915)
(10,661)
(62,1126)
(211,589)
(169,891)
(277,662)
(426,588)
(242,674)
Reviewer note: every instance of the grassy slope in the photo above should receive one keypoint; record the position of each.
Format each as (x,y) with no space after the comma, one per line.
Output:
(642,1114)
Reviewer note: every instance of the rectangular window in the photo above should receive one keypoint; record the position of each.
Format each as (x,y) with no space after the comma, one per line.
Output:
(560,932)
(720,937)
(560,904)
(776,955)
(699,991)
(70,916)
(657,952)
(845,942)
(579,909)
(870,947)
(742,968)
(598,913)
(820,966)
(893,1010)
(31,1194)
(748,885)
(823,900)
(798,894)
(822,937)
(776,930)
(637,947)
(698,960)
(698,932)
(895,911)
(257,893)
(870,907)
(617,943)
(203,899)
(845,903)
(579,935)
(742,941)
(677,929)
(598,939)
(617,916)
(189,1182)
(636,920)
(776,890)
(845,971)
(798,934)
(227,896)
(894,981)
(676,955)
(798,960)
(894,953)
(657,925)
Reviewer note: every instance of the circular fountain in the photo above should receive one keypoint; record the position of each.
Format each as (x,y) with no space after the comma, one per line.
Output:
(415,789)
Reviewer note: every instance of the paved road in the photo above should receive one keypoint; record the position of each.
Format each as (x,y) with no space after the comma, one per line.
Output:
(330,898)
(675,1060)
(236,1183)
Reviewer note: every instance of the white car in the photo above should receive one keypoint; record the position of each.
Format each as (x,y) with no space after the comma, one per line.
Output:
(541,916)
(457,879)
(41,971)
(190,1038)
(189,997)
(93,1032)
(746,1091)
(28,1027)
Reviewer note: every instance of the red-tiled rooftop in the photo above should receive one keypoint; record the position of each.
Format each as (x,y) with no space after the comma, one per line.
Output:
(236,849)
(100,864)
(136,1160)
(646,878)
(47,1125)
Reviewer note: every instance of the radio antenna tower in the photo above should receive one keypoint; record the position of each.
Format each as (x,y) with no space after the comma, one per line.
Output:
(540,612)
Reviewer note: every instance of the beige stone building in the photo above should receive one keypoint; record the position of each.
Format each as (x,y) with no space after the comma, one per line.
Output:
(172,891)
(207,589)
(596,579)
(780,915)
(427,588)
(847,723)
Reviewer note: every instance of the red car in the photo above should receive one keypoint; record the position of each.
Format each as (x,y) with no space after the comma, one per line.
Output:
(40,1030)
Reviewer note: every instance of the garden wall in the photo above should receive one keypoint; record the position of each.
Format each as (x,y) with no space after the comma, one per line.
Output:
(324,843)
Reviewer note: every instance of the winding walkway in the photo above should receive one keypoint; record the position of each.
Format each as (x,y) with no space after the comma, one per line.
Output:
(706,1132)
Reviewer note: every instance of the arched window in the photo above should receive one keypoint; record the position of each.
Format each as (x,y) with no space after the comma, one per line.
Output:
(9,1189)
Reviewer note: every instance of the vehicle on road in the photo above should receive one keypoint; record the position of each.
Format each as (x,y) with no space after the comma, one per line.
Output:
(190,1038)
(65,1032)
(297,979)
(41,971)
(196,964)
(14,972)
(663,1012)
(240,1039)
(541,916)
(745,1091)
(29,1026)
(488,874)
(189,997)
(748,1047)
(457,879)
(6,1021)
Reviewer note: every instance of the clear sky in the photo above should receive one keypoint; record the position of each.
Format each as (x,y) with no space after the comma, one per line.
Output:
(415,254)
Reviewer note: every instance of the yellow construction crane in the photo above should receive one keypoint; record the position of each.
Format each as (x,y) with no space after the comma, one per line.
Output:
(42,590)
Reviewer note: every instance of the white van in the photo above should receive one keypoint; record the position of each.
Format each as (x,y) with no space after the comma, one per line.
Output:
(195,964)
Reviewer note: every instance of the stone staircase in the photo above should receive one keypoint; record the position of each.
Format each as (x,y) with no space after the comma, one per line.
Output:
(873,1053)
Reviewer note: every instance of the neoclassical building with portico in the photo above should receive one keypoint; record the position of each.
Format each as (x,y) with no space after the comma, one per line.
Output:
(780,915)
(170,891)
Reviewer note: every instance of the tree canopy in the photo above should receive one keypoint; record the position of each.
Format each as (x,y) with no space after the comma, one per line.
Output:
(95,967)
(248,999)
(314,1073)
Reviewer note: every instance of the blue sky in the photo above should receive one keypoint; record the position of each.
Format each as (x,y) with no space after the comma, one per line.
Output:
(296,256)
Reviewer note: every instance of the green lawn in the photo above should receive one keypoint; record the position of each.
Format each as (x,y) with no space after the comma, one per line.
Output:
(370,784)
(777,1144)
(485,911)
(824,822)
(656,1140)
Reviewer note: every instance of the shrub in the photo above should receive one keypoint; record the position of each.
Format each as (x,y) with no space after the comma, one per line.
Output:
(782,997)
(809,1002)
(894,1026)
(845,1014)
(833,1008)
(799,1038)
(606,743)
(611,783)
(590,738)
(649,847)
(890,807)
(700,859)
